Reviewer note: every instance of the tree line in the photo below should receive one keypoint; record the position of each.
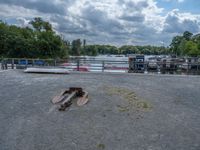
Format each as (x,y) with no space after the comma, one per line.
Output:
(41,41)
(37,41)
(186,45)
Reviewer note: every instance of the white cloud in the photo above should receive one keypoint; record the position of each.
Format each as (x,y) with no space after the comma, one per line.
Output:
(105,21)
(179,1)
(176,22)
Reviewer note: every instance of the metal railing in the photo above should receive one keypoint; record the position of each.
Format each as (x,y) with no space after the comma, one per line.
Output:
(71,64)
(77,64)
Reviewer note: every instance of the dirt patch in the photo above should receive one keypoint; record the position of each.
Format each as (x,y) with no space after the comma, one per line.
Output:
(101,146)
(133,102)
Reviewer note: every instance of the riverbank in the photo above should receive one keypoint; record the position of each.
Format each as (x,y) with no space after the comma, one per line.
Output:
(125,111)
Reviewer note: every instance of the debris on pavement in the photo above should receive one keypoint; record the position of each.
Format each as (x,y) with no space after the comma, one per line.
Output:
(66,97)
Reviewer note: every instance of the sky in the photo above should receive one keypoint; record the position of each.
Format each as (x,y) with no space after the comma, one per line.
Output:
(115,22)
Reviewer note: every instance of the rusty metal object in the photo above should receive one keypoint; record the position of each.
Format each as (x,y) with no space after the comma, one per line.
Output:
(60,97)
(67,96)
(65,105)
(67,102)
(83,99)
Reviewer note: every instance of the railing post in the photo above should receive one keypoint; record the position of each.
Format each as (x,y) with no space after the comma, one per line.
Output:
(145,67)
(6,65)
(55,63)
(78,65)
(13,62)
(2,64)
(103,66)
(26,63)
(188,67)
(33,62)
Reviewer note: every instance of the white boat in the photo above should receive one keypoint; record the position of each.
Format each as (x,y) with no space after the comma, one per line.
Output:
(47,70)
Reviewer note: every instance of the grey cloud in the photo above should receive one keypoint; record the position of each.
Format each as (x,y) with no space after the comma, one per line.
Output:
(99,20)
(67,27)
(191,25)
(44,6)
(133,11)
(136,6)
(176,24)
(133,18)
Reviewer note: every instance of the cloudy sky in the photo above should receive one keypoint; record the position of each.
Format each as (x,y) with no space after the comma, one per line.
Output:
(116,22)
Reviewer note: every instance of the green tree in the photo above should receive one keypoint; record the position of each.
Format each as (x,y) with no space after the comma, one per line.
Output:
(181,48)
(76,47)
(40,25)
(41,42)
(90,50)
(186,45)
(176,41)
(192,49)
(187,35)
(128,49)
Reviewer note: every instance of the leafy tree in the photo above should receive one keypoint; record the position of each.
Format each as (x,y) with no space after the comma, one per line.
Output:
(40,25)
(191,48)
(187,35)
(176,41)
(186,45)
(90,50)
(76,47)
(181,48)
(128,49)
(40,42)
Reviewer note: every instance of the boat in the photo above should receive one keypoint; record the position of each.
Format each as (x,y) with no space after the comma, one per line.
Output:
(152,63)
